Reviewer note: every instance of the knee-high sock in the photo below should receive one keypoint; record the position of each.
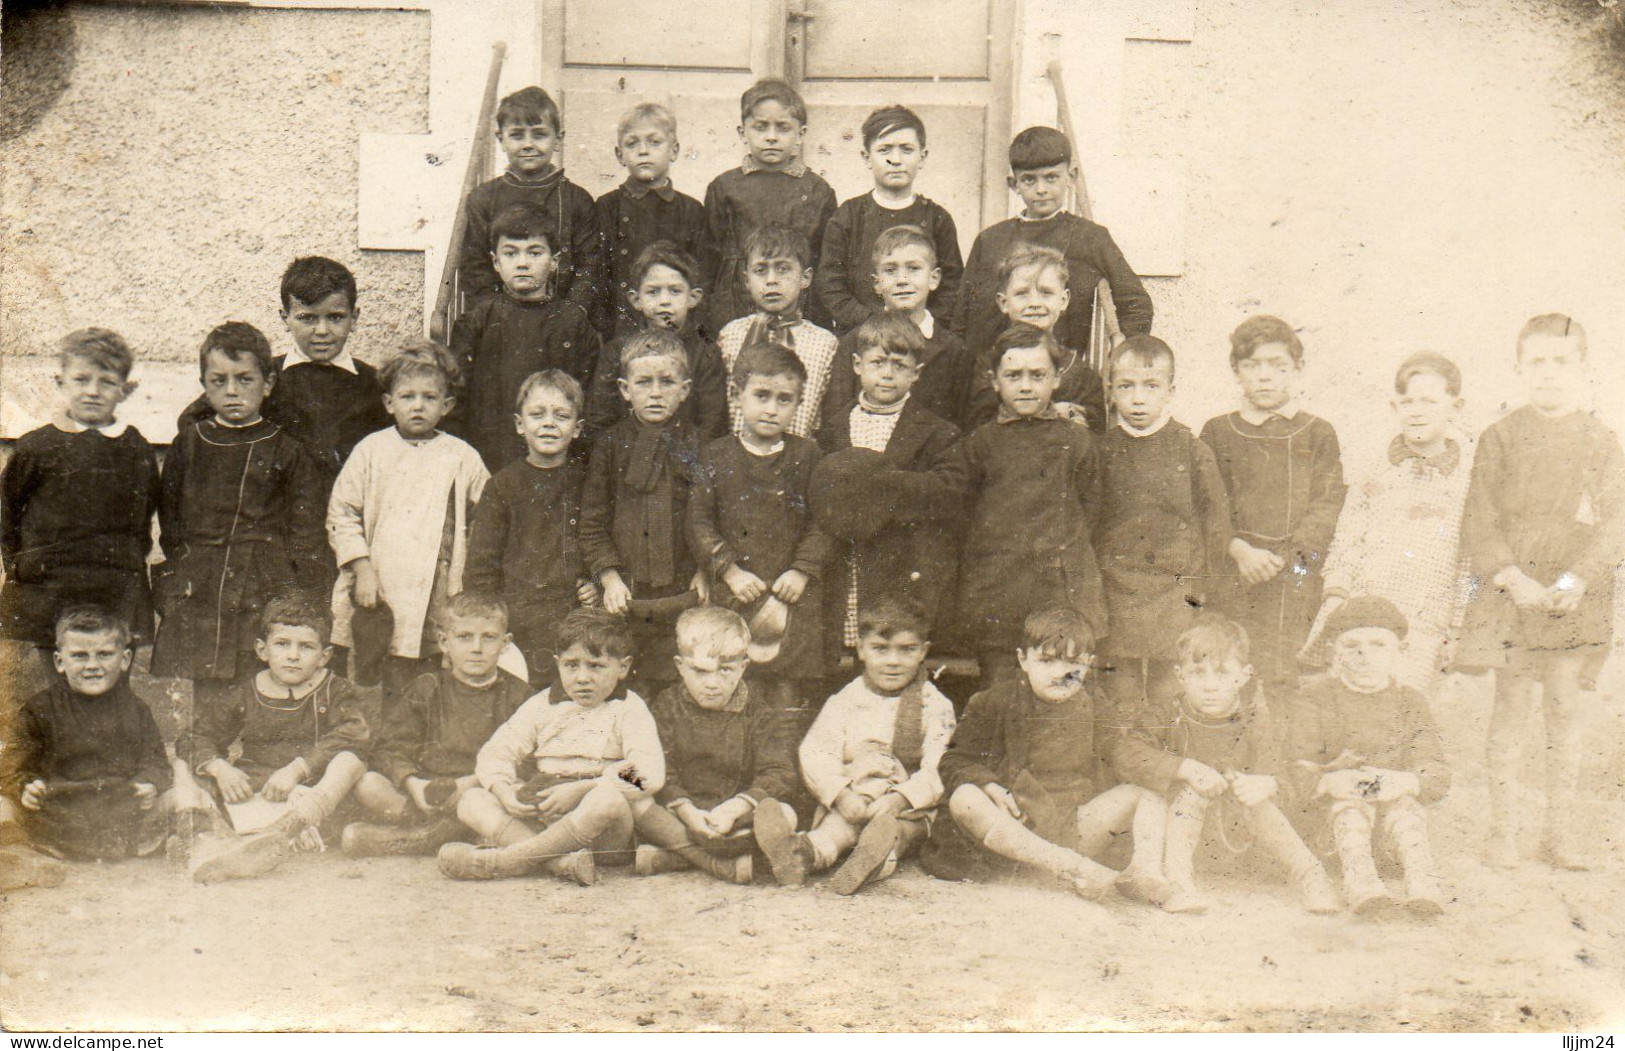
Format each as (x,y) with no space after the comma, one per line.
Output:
(664,829)
(1187,814)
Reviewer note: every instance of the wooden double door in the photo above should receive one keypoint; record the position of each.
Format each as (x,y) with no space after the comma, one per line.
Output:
(949,60)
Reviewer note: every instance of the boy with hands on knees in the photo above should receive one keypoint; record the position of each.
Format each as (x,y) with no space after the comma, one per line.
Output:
(870,759)
(730,755)
(302,730)
(1366,756)
(423,761)
(1023,775)
(1209,751)
(597,761)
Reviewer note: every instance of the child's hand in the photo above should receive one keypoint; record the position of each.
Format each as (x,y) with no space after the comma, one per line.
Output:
(1004,799)
(617,596)
(853,808)
(33,794)
(1207,781)
(1526,592)
(876,764)
(790,586)
(724,816)
(696,820)
(1256,564)
(746,586)
(1564,596)
(310,841)
(587,593)
(234,785)
(700,584)
(891,803)
(1253,789)
(1392,784)
(1343,784)
(146,793)
(284,781)
(366,588)
(415,787)
(510,800)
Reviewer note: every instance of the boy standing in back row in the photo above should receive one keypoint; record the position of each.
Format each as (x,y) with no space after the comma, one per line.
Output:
(772,185)
(1041,170)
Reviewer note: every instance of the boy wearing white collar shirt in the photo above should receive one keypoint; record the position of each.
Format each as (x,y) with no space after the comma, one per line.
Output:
(1283,470)
(76,505)
(1163,528)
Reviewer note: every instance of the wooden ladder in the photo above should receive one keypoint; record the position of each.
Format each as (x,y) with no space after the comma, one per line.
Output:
(448,301)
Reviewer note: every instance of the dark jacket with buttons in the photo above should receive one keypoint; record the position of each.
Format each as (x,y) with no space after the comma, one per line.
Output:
(1163,528)
(522,546)
(629,223)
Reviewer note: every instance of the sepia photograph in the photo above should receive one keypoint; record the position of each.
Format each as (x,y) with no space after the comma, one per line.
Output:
(812,516)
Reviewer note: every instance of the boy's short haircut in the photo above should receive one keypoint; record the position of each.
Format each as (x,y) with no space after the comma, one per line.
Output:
(888,119)
(1258,330)
(1025,255)
(777,241)
(522,222)
(529,106)
(237,340)
(772,91)
(1059,631)
(596,630)
(712,631)
(1039,147)
(91,620)
(312,278)
(1430,363)
(480,604)
(1146,351)
(102,347)
(646,113)
(1020,336)
(655,343)
(891,332)
(899,237)
(665,253)
(1553,325)
(890,617)
(419,357)
(297,610)
(1213,639)
(560,382)
(768,359)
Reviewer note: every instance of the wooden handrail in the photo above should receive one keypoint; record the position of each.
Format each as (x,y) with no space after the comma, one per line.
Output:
(445,303)
(1104,332)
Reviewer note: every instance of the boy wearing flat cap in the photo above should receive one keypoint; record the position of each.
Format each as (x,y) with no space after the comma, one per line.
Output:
(1362,753)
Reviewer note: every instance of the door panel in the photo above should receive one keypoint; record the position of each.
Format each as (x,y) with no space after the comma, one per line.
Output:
(704,34)
(949,60)
(903,39)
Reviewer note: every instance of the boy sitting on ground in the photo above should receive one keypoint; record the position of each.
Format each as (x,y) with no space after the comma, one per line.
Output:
(597,761)
(424,760)
(82,772)
(870,759)
(1364,749)
(1024,775)
(730,754)
(302,730)
(1214,751)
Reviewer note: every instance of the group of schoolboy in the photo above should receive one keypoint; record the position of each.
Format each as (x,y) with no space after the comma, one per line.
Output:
(642,471)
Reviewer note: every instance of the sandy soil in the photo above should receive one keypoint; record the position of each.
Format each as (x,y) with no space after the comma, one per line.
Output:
(329,943)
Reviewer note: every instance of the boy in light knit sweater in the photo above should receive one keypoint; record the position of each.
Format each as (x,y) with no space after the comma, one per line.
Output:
(870,759)
(598,763)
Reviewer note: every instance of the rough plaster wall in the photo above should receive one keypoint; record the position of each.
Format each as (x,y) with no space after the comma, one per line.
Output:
(1391,177)
(195,153)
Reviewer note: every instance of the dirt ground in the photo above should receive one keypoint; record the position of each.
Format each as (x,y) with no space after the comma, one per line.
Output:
(387,944)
